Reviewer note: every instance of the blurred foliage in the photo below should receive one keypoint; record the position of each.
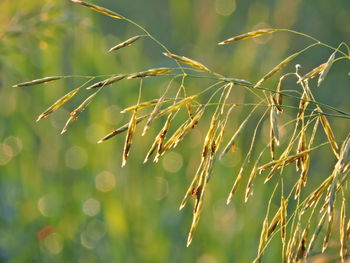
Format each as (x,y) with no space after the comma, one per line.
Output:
(66,199)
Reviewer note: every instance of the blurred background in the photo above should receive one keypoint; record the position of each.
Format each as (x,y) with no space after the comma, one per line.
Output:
(63,198)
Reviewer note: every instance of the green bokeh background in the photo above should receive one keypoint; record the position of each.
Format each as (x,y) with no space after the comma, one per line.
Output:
(73,191)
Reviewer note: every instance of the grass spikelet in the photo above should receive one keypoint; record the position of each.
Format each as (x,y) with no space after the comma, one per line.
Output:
(279,96)
(315,196)
(271,173)
(150,73)
(330,135)
(128,139)
(235,186)
(199,194)
(240,82)
(274,222)
(326,69)
(315,234)
(99,9)
(348,230)
(283,161)
(126,43)
(234,136)
(158,142)
(37,81)
(274,134)
(272,144)
(152,116)
(302,246)
(176,106)
(263,240)
(191,191)
(121,129)
(249,188)
(180,133)
(252,34)
(187,61)
(290,252)
(343,245)
(191,124)
(302,146)
(283,220)
(210,135)
(281,65)
(313,73)
(144,105)
(58,104)
(303,175)
(303,103)
(344,160)
(74,115)
(328,233)
(106,82)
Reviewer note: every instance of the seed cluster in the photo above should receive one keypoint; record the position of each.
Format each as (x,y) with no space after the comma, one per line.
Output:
(296,223)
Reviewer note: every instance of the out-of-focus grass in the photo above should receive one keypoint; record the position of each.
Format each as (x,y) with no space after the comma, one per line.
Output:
(66,199)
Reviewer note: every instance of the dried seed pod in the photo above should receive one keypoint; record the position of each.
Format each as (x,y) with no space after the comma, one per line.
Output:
(37,81)
(252,34)
(187,61)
